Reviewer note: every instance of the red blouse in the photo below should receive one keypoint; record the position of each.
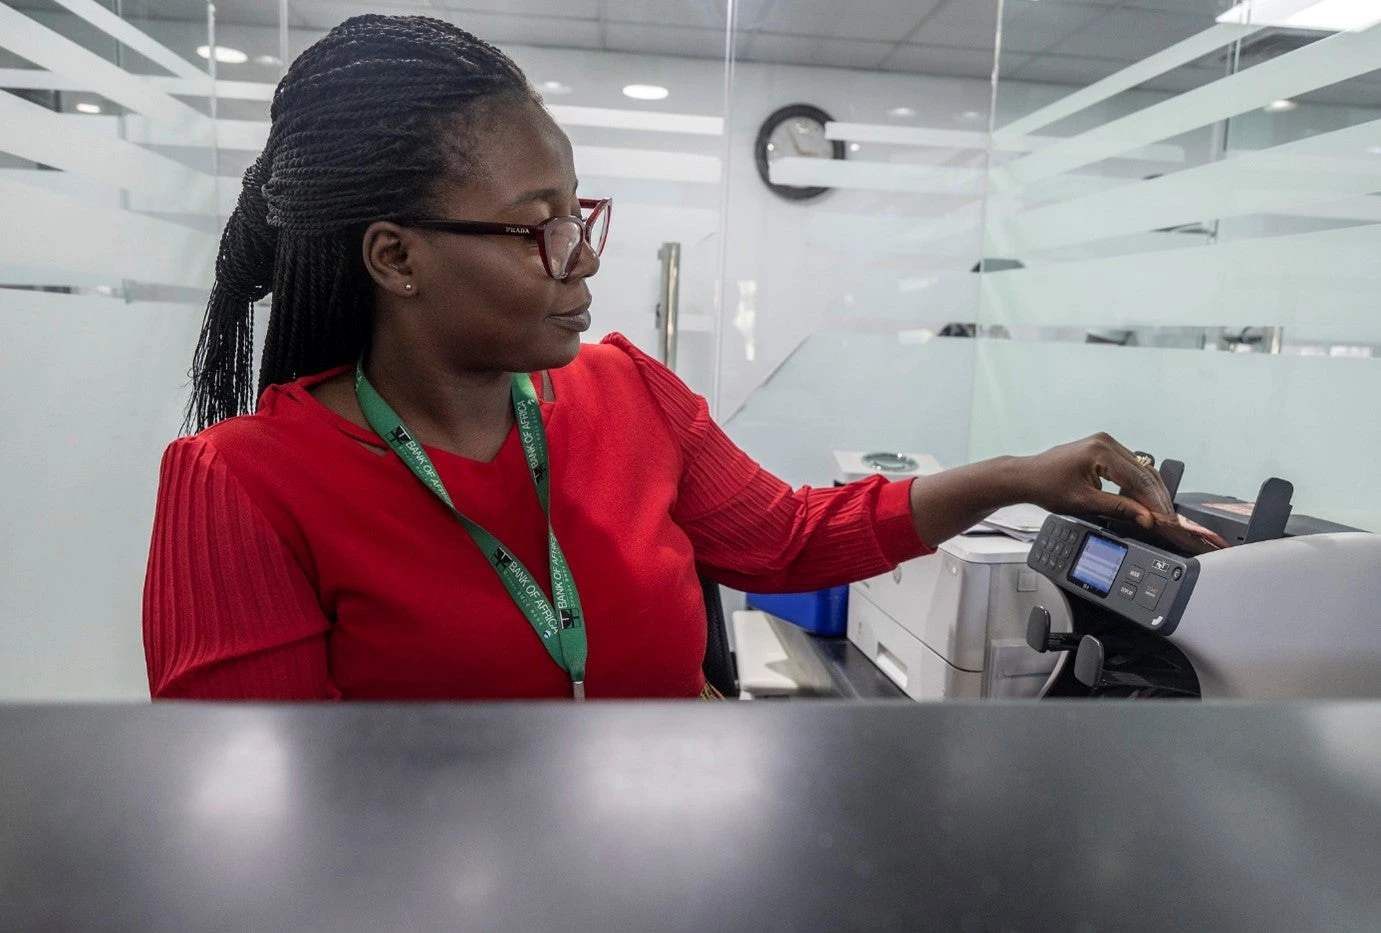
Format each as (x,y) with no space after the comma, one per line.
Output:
(295,557)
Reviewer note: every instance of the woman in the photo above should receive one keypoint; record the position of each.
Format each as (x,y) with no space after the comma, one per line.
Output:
(415,215)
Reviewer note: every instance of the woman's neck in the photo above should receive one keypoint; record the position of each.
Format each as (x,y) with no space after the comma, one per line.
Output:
(465,412)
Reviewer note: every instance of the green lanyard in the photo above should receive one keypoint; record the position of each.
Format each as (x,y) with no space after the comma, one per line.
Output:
(561,628)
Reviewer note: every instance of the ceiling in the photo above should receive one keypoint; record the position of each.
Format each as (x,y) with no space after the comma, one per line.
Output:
(1060,41)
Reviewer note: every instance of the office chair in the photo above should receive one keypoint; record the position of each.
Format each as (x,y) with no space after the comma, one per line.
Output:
(719,660)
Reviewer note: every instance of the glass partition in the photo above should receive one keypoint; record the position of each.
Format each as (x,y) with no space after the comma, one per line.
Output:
(1196,217)
(108,176)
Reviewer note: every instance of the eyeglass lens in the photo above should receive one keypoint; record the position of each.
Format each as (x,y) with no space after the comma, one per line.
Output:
(563,241)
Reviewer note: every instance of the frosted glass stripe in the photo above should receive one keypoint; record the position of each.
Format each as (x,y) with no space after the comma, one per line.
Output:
(1176,55)
(1329,278)
(1234,419)
(1319,168)
(655,164)
(1325,62)
(89,146)
(47,49)
(931,137)
(124,31)
(33,79)
(62,233)
(225,90)
(876,176)
(616,119)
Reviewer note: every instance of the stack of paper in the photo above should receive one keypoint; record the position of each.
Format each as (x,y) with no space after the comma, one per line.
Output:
(1022,522)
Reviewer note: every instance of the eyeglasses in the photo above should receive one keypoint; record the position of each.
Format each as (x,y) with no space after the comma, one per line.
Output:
(559,239)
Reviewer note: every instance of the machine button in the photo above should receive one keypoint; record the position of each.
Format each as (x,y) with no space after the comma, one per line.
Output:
(1136,574)
(1160,566)
(1176,573)
(1151,590)
(1127,591)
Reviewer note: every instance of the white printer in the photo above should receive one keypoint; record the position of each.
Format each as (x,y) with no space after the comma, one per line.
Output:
(952,625)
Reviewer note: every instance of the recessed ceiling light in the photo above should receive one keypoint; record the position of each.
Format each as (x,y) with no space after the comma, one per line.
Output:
(969,116)
(270,60)
(1322,15)
(854,147)
(88,108)
(646,92)
(554,87)
(1280,106)
(224,54)
(901,112)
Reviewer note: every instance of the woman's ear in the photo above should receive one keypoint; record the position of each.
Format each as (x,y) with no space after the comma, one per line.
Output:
(388,250)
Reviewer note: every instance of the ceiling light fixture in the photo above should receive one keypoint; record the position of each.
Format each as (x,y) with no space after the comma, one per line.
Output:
(901,112)
(646,92)
(270,60)
(88,108)
(854,147)
(1280,106)
(1322,15)
(554,87)
(224,54)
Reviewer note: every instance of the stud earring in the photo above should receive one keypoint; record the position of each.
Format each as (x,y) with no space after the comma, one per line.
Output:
(407,287)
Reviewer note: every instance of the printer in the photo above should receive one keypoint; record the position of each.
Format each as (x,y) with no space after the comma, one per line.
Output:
(1291,609)
(952,624)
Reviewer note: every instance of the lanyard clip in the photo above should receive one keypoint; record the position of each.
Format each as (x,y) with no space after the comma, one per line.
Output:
(579,688)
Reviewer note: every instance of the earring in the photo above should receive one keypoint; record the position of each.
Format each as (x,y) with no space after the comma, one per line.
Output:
(407,286)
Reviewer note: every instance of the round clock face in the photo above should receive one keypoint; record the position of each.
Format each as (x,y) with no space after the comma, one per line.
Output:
(797,131)
(799,136)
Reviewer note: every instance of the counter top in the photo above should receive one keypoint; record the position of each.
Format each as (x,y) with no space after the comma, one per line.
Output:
(701,817)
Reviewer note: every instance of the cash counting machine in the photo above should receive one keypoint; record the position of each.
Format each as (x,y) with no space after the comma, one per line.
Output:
(1291,609)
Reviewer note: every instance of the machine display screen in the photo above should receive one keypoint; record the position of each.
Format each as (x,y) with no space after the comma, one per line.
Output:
(1098,564)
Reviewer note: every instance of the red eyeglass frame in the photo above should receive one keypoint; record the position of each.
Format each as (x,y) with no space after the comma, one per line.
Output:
(594,206)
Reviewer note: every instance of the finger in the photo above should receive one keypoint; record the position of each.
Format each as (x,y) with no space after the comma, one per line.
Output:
(1142,482)
(1122,508)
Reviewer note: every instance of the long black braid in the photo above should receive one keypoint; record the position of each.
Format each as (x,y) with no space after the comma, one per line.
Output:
(364,129)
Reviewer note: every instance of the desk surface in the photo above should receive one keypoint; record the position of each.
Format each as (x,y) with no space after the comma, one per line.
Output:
(695,817)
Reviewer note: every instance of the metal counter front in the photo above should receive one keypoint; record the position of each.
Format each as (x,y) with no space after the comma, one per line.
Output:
(697,817)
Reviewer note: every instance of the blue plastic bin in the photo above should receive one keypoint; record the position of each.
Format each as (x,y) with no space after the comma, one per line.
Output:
(822,612)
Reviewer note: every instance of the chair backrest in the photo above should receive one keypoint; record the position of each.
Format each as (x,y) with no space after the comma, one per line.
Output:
(719,667)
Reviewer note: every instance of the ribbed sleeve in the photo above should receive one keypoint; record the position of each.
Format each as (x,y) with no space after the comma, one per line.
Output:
(753,532)
(228,613)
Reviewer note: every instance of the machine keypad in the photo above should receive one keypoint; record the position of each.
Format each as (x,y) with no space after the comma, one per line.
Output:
(1151,590)
(1149,587)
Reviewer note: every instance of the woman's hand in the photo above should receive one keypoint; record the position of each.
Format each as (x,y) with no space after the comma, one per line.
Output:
(1068,480)
(1065,479)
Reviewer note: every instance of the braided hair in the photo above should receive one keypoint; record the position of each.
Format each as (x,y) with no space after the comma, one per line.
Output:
(363,129)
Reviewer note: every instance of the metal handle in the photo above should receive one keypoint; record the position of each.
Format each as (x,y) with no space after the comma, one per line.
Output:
(669,302)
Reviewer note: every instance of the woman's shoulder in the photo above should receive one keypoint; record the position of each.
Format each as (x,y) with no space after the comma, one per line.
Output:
(288,420)
(617,363)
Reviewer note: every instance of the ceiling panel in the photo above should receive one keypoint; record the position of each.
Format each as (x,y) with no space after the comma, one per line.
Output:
(937,60)
(567,9)
(880,19)
(702,14)
(1065,69)
(664,40)
(967,24)
(852,53)
(1130,35)
(236,12)
(794,17)
(497,28)
(1030,26)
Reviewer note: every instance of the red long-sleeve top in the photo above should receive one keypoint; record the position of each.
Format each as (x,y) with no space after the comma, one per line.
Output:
(294,555)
